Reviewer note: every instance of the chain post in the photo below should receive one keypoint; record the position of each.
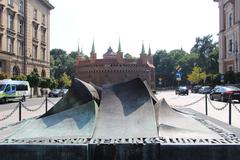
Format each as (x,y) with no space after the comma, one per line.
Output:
(46,103)
(20,110)
(206,107)
(230,109)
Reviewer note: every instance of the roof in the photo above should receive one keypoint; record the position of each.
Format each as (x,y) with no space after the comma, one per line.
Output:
(109,53)
(47,3)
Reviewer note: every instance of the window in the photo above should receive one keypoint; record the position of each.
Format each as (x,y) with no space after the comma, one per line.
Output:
(10,21)
(34,32)
(21,87)
(0,42)
(34,51)
(230,44)
(35,14)
(43,19)
(10,2)
(21,6)
(13,87)
(20,48)
(43,54)
(10,44)
(20,26)
(230,20)
(8,88)
(43,33)
(1,14)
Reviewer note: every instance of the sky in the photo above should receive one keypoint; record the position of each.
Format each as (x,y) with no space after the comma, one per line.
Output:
(160,24)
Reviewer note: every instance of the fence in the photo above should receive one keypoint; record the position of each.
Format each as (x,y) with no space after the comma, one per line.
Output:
(21,106)
(230,104)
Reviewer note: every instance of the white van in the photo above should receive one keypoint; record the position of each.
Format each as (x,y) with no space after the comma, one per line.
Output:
(12,89)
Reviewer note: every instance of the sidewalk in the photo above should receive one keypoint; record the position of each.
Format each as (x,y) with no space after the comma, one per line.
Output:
(14,118)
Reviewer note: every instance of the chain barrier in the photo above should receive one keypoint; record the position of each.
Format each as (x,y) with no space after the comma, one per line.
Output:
(186,105)
(33,110)
(50,102)
(10,114)
(216,108)
(236,107)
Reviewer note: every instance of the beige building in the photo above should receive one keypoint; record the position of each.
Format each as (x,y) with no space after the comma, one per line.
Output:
(229,35)
(114,68)
(24,37)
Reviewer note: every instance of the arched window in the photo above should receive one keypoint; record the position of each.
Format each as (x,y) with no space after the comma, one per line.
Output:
(43,73)
(35,70)
(16,71)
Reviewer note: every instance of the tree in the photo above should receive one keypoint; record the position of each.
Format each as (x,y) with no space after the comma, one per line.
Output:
(204,47)
(197,75)
(128,56)
(164,67)
(64,81)
(20,78)
(53,84)
(33,78)
(58,59)
(3,76)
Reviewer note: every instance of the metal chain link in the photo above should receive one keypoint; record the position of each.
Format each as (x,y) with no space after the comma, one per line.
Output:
(236,107)
(33,110)
(216,108)
(50,102)
(186,105)
(10,114)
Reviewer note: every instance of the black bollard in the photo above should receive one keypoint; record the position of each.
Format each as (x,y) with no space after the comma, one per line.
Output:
(230,110)
(46,104)
(206,107)
(20,110)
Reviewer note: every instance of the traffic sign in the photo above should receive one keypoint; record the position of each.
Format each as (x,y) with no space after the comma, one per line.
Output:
(178,76)
(222,78)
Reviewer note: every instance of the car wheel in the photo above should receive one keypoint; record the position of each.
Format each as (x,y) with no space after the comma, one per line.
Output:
(3,100)
(222,99)
(211,97)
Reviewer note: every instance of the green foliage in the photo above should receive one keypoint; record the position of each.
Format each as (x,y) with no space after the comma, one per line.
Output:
(197,75)
(53,84)
(61,62)
(64,81)
(128,56)
(229,77)
(3,76)
(45,82)
(34,79)
(207,52)
(20,78)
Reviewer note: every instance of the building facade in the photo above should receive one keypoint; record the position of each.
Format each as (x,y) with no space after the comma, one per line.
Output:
(113,68)
(24,37)
(229,35)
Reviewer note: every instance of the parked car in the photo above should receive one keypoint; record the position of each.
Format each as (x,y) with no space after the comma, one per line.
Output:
(196,88)
(223,93)
(55,93)
(64,91)
(181,90)
(205,90)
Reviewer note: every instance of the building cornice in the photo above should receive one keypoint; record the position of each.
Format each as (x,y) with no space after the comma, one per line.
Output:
(47,3)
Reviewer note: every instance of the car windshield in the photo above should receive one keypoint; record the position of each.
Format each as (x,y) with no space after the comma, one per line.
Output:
(182,87)
(232,88)
(56,90)
(2,87)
